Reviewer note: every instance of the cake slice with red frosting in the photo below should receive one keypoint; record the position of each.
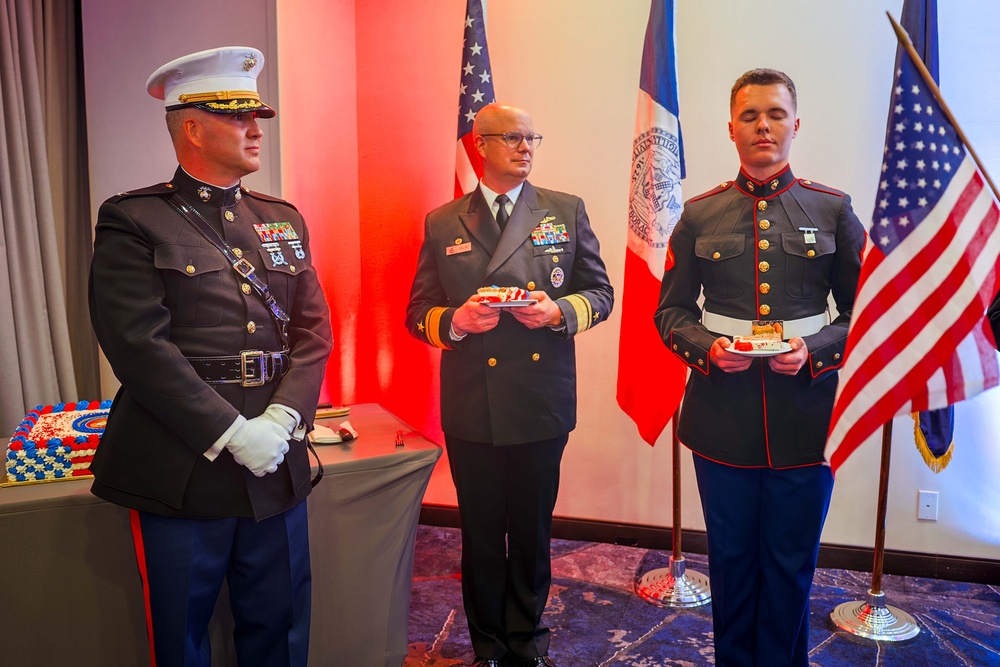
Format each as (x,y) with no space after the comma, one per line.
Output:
(494,294)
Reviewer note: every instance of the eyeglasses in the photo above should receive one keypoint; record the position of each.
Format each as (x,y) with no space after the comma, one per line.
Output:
(514,139)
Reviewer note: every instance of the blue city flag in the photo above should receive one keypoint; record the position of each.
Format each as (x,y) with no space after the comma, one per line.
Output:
(655,205)
(933,430)
(658,75)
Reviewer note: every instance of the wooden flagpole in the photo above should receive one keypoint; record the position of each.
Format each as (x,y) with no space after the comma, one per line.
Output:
(675,586)
(873,618)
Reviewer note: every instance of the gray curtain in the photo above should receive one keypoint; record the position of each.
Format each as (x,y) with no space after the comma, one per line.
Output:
(47,349)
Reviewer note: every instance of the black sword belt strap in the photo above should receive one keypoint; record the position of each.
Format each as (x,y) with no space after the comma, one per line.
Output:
(319,464)
(248,272)
(244,268)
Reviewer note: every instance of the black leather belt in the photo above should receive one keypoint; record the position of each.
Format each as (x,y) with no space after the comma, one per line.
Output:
(251,368)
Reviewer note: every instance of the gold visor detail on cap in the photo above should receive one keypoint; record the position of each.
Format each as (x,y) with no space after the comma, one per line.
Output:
(234,105)
(196,98)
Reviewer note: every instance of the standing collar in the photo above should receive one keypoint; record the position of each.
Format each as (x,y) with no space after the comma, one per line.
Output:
(769,187)
(199,191)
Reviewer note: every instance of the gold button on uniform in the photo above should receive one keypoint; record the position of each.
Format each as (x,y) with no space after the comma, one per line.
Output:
(245,287)
(687,355)
(458,241)
(535,357)
(762,206)
(701,362)
(765,288)
(675,347)
(763,244)
(251,327)
(189,268)
(810,253)
(836,356)
(555,259)
(531,285)
(808,182)
(229,216)
(764,267)
(492,361)
(291,267)
(819,364)
(764,309)
(716,255)
(764,224)
(237,252)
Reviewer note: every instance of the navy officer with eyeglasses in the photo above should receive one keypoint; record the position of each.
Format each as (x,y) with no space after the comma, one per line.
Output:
(508,375)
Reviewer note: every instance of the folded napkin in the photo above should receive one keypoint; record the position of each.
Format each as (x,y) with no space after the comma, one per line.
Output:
(322,435)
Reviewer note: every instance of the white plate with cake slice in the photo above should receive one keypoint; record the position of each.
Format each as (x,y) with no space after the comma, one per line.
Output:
(510,304)
(785,347)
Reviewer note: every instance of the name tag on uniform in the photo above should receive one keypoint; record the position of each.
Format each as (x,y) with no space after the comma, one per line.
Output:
(460,248)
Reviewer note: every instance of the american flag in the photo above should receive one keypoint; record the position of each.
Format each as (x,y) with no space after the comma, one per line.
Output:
(476,92)
(918,338)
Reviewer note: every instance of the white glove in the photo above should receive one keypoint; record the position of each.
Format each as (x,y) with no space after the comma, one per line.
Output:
(260,445)
(278,415)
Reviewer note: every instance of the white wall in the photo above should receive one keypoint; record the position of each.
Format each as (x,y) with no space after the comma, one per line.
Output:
(575,66)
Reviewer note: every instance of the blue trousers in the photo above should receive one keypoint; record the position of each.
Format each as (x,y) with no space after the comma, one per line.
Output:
(763,528)
(183,562)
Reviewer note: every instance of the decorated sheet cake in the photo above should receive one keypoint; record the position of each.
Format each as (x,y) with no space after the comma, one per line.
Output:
(55,442)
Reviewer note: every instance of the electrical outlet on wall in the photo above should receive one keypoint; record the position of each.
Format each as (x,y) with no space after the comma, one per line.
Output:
(927,505)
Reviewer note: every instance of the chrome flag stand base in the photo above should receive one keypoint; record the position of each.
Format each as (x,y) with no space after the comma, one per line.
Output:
(673,587)
(875,620)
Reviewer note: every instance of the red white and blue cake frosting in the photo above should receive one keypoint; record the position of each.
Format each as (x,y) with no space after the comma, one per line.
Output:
(56,442)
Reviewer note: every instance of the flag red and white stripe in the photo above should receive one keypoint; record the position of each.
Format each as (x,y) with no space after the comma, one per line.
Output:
(918,338)
(476,91)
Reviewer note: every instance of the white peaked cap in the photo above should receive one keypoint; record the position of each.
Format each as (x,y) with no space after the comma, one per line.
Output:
(222,80)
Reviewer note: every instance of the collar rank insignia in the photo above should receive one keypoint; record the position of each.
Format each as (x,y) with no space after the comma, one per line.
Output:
(205,193)
(270,232)
(548,234)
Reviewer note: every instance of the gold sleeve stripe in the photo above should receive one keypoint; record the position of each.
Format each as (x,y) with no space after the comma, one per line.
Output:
(584,313)
(432,327)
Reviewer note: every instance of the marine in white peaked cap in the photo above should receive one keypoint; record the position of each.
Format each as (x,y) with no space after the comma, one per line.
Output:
(206,303)
(221,80)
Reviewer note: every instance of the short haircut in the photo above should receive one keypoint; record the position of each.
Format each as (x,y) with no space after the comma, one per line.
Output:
(763,77)
(175,121)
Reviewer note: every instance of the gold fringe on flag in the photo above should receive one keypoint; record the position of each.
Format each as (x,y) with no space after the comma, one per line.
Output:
(935,463)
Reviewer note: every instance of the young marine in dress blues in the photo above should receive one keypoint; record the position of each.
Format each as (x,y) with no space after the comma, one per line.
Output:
(764,246)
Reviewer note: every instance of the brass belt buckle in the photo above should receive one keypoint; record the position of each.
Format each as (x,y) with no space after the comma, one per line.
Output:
(252,377)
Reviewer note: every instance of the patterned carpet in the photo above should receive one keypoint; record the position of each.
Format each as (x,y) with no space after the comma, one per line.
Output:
(597,620)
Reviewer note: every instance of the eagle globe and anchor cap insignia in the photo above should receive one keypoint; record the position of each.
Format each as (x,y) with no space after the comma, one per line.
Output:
(656,172)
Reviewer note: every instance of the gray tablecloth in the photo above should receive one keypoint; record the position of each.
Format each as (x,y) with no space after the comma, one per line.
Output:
(71,592)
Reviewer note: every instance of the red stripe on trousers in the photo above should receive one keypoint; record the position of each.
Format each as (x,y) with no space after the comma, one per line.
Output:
(140,557)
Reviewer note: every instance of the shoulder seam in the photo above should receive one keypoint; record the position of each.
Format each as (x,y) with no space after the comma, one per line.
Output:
(152,190)
(819,187)
(263,197)
(722,187)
